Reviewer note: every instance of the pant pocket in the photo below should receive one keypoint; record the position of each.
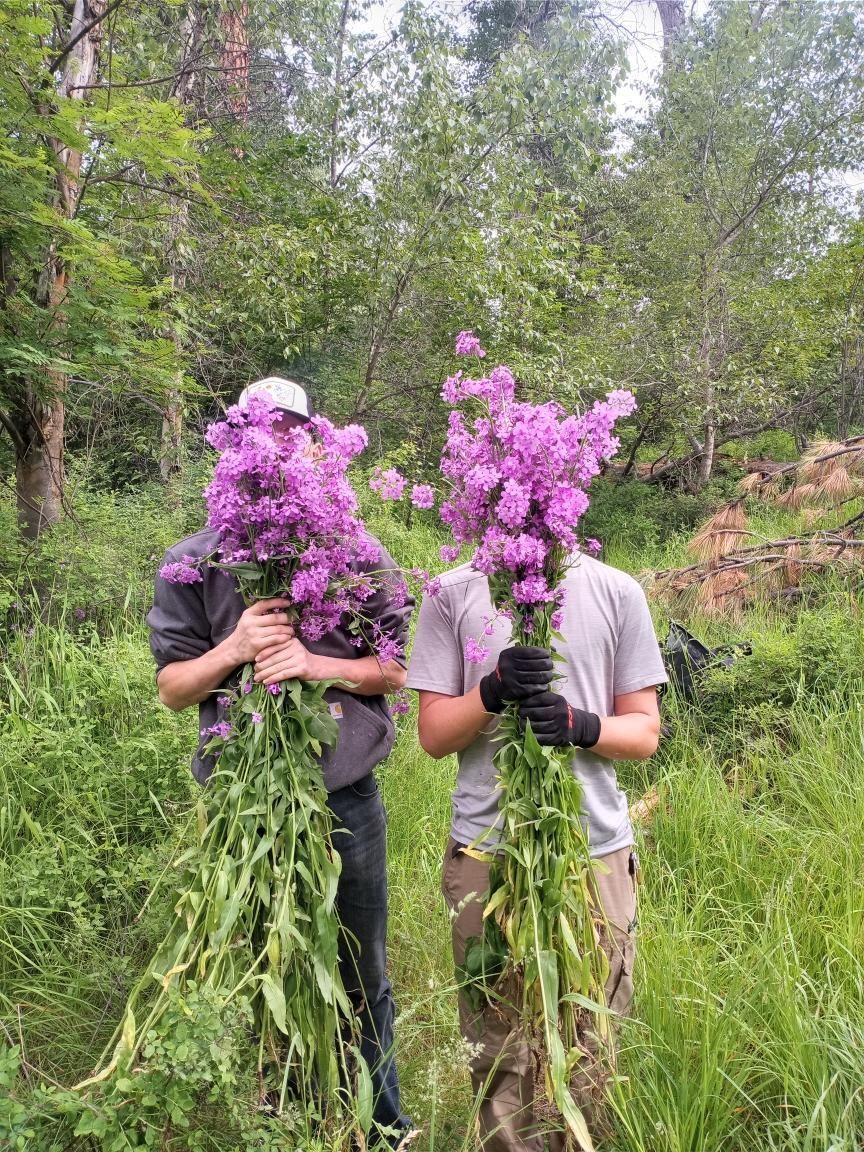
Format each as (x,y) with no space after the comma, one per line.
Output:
(365,788)
(447,877)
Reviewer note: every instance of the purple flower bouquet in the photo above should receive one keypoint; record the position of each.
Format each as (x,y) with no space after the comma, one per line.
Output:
(518,474)
(255,935)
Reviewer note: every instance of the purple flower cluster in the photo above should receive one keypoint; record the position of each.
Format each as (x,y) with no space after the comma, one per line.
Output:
(423,496)
(223,730)
(282,503)
(184,571)
(431,584)
(400,705)
(475,653)
(467,344)
(389,484)
(518,475)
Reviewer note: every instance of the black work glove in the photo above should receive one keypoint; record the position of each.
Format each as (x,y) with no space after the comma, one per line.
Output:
(557,723)
(520,672)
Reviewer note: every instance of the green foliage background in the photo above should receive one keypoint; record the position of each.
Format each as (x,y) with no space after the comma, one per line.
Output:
(749,1010)
(369,187)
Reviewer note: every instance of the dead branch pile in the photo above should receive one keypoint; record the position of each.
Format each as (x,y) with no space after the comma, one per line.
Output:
(829,472)
(733,564)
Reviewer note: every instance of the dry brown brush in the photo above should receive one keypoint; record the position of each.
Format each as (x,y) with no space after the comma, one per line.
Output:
(732,566)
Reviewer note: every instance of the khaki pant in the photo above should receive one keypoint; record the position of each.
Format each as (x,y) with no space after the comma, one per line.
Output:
(502,1068)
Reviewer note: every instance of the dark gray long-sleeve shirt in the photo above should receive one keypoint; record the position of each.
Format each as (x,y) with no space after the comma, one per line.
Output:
(187,620)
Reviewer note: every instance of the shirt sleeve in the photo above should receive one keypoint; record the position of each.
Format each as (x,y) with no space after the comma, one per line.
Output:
(638,663)
(390,609)
(437,664)
(179,629)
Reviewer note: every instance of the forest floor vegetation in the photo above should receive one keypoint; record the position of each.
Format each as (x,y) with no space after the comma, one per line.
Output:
(748,1028)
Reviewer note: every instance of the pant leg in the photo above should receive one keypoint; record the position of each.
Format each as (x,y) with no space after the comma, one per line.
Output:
(502,1070)
(501,1066)
(360,837)
(615,886)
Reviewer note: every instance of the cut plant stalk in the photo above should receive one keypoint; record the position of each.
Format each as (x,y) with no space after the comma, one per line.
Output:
(256,919)
(541,954)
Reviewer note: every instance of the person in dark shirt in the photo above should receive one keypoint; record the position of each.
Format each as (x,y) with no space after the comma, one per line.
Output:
(201,634)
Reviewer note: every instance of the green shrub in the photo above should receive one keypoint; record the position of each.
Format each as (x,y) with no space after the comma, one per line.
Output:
(99,561)
(815,657)
(775,444)
(640,516)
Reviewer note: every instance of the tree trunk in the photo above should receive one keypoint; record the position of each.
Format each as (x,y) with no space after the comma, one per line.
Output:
(672,18)
(40,415)
(191,37)
(39,466)
(235,59)
(851,403)
(337,95)
(171,439)
(706,460)
(711,352)
(170,446)
(851,385)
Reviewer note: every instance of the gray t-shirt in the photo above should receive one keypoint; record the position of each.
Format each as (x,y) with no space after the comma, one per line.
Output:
(611,650)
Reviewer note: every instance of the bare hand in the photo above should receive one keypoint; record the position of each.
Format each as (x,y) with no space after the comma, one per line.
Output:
(288,661)
(259,628)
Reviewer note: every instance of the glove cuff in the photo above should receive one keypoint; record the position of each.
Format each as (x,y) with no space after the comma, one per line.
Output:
(490,692)
(590,730)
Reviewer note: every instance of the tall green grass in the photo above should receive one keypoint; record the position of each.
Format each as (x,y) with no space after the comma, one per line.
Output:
(748,1030)
(751,1005)
(93,800)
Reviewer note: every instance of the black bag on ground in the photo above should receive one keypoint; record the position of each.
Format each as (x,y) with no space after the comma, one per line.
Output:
(686,658)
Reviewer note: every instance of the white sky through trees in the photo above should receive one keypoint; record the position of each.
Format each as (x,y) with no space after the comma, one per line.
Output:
(638,24)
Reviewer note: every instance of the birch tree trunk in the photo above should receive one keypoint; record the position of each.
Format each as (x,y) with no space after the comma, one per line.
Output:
(711,352)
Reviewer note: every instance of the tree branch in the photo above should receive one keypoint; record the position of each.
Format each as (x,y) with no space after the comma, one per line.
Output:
(17,439)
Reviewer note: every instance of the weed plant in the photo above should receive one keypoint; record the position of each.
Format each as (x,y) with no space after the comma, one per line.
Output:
(748,1030)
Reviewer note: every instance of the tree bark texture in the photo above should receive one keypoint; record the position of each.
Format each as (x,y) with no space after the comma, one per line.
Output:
(235,58)
(171,438)
(39,417)
(671,14)
(711,352)
(171,441)
(337,95)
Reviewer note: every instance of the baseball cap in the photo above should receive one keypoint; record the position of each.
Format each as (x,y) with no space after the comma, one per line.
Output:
(284,394)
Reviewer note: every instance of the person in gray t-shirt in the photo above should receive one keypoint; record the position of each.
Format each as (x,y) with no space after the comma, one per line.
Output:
(604,707)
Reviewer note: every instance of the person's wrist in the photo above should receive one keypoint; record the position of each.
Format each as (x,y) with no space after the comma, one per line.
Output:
(231,650)
(317,667)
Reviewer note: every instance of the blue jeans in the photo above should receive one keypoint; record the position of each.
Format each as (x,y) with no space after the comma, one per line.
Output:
(360,837)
